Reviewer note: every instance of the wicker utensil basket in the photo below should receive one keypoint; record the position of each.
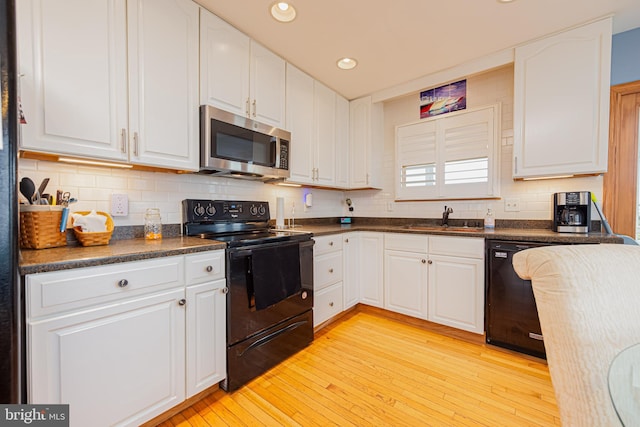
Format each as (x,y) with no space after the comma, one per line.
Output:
(40,227)
(94,238)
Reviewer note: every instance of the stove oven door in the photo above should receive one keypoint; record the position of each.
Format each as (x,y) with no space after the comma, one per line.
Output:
(268,284)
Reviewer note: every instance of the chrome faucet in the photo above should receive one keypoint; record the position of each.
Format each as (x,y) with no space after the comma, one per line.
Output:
(445,216)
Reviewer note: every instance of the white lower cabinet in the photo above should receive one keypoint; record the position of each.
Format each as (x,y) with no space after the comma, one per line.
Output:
(111,341)
(456,282)
(370,268)
(351,283)
(327,278)
(115,364)
(405,283)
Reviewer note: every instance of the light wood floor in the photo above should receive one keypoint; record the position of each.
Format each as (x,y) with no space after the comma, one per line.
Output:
(368,369)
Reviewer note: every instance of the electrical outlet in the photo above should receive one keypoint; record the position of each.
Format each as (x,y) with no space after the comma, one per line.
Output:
(512,205)
(119,205)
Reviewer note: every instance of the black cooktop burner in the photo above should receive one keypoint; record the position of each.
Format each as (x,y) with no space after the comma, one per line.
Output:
(245,239)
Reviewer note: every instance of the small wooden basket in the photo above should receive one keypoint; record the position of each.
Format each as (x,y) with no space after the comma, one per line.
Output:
(94,238)
(40,227)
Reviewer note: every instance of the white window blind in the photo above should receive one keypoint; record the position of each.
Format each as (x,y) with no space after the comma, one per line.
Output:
(452,156)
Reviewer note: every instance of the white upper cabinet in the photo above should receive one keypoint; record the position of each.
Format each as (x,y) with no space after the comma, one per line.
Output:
(561,103)
(318,119)
(239,75)
(163,83)
(300,124)
(111,79)
(366,143)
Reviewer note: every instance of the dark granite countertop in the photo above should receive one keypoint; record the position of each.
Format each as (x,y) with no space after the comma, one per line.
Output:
(132,249)
(513,234)
(67,257)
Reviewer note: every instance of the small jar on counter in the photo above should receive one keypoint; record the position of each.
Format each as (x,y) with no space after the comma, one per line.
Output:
(152,224)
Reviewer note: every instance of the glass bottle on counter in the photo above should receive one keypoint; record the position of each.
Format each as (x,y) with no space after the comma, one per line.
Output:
(152,224)
(489,220)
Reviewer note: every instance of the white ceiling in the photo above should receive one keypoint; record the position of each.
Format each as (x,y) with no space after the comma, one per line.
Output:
(396,41)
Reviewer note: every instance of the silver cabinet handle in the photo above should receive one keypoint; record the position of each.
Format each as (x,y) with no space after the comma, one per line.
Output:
(135,144)
(254,107)
(331,243)
(209,269)
(430,262)
(423,261)
(346,240)
(225,290)
(246,108)
(182,302)
(123,140)
(122,283)
(331,270)
(331,304)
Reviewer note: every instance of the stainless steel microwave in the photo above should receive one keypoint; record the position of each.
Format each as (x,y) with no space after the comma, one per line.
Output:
(239,147)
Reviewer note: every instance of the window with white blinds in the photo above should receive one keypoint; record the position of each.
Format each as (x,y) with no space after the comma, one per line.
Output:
(449,157)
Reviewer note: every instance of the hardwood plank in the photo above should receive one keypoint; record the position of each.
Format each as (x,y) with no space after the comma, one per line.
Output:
(370,369)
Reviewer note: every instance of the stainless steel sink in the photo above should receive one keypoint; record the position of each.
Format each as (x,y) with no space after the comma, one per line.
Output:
(443,228)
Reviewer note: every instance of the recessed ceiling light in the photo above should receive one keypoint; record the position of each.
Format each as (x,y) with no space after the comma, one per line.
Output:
(347,63)
(505,1)
(283,11)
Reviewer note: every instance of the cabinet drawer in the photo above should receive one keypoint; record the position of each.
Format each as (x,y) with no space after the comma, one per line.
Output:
(327,270)
(469,247)
(325,244)
(406,242)
(204,267)
(327,303)
(59,291)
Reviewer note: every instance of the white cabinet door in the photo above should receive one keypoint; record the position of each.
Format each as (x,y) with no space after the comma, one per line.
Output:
(561,103)
(163,83)
(405,283)
(351,283)
(73,65)
(370,267)
(300,124)
(111,79)
(206,336)
(325,134)
(119,363)
(267,86)
(224,65)
(342,142)
(456,292)
(366,143)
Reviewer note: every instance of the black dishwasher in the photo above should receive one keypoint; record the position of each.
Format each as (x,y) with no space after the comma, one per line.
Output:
(511,313)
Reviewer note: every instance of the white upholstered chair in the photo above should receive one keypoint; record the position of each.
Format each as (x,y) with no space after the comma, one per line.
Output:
(588,299)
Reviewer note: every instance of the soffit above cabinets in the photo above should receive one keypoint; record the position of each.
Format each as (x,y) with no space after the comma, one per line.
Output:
(398,41)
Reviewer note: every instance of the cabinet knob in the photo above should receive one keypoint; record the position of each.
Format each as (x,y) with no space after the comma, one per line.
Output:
(331,270)
(209,269)
(430,262)
(182,302)
(346,240)
(331,243)
(331,304)
(225,290)
(122,283)
(423,261)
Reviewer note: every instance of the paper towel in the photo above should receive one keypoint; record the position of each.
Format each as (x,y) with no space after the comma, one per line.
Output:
(280,212)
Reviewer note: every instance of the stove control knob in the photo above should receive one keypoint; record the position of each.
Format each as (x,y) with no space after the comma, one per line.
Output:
(211,210)
(254,210)
(262,210)
(198,210)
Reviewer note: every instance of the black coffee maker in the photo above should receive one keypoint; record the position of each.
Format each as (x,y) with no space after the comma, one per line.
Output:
(572,212)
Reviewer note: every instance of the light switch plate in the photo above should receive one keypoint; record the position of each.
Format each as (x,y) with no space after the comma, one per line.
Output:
(119,205)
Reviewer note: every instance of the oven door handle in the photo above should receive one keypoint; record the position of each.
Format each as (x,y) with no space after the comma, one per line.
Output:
(273,335)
